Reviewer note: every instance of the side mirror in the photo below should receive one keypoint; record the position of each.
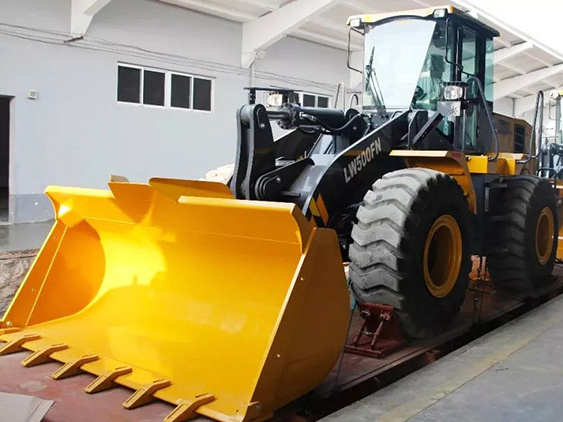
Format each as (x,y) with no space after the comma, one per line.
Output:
(349,64)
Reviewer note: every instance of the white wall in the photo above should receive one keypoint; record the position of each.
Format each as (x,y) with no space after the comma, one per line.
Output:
(504,106)
(77,134)
(307,60)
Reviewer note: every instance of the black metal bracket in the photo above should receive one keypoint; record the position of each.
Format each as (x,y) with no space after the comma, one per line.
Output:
(418,120)
(428,127)
(255,150)
(270,186)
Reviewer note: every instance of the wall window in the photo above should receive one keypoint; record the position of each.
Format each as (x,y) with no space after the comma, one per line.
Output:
(202,94)
(128,84)
(314,100)
(154,87)
(190,92)
(180,94)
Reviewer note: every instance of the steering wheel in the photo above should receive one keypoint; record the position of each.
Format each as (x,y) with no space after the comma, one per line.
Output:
(419,93)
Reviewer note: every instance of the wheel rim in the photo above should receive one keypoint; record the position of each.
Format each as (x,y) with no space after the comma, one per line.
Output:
(442,256)
(544,235)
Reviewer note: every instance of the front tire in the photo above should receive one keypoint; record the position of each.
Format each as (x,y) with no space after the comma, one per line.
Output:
(411,249)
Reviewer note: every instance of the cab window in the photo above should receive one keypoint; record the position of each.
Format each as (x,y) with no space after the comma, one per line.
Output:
(468,53)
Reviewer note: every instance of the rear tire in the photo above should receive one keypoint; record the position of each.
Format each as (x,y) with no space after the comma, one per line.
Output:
(525,244)
(411,249)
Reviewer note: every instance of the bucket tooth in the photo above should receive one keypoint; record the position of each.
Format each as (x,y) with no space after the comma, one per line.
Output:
(145,395)
(255,409)
(187,409)
(43,355)
(15,345)
(72,368)
(9,330)
(107,380)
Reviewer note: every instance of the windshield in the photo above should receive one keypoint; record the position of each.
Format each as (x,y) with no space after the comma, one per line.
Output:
(395,53)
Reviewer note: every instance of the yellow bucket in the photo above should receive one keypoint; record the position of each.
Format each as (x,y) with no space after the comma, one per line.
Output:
(222,307)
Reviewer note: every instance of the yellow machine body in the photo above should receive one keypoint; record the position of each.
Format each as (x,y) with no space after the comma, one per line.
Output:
(461,167)
(225,308)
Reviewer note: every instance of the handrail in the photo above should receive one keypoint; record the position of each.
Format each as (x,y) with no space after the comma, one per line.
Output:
(356,97)
(342,87)
(538,110)
(489,115)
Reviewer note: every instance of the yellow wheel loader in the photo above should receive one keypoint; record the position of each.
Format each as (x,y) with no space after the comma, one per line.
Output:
(231,302)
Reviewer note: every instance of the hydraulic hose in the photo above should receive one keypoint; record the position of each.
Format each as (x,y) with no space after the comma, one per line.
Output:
(327,127)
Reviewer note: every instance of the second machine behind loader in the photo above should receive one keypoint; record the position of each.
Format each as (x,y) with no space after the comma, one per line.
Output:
(232,303)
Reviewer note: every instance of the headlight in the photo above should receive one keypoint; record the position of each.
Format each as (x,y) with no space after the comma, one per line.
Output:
(453,93)
(440,13)
(355,22)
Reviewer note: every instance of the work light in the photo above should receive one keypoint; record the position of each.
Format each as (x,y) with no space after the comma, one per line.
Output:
(453,93)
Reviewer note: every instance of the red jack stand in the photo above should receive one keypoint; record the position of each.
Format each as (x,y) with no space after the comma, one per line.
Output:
(381,329)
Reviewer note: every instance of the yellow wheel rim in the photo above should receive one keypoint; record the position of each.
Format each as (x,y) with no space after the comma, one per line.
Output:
(544,235)
(443,250)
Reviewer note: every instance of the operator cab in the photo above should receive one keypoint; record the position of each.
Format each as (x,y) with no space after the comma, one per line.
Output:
(420,58)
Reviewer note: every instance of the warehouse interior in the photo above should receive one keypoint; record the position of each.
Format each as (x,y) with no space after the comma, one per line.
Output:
(280,210)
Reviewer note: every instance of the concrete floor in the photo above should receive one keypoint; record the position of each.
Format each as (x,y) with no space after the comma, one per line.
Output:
(20,237)
(514,373)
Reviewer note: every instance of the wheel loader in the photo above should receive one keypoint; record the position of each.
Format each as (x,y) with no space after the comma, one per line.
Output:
(231,302)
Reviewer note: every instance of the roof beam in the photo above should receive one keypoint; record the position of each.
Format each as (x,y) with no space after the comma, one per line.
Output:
(510,85)
(319,38)
(506,53)
(211,9)
(332,26)
(263,4)
(340,37)
(499,24)
(261,33)
(502,41)
(422,3)
(516,69)
(81,14)
(525,104)
(356,7)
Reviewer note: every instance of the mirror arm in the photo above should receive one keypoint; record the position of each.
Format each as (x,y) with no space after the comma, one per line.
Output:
(447,60)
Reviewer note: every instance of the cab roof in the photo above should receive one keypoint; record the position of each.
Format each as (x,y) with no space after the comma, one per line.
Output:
(438,12)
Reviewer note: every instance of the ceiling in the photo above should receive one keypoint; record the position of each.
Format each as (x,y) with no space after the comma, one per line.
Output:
(522,66)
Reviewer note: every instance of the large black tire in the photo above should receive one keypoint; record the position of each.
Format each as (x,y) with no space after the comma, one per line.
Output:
(392,244)
(524,244)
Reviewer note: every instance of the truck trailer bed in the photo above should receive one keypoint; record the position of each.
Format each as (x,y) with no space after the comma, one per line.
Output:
(512,373)
(354,379)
